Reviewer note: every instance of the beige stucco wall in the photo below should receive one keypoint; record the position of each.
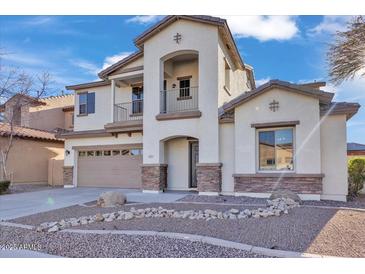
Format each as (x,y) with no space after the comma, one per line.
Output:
(69,120)
(237,77)
(177,158)
(28,159)
(292,107)
(49,116)
(102,113)
(334,157)
(203,39)
(226,149)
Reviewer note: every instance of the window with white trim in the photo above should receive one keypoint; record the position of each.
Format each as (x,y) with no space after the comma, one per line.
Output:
(275,149)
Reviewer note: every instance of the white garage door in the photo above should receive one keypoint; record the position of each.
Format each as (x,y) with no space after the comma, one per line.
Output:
(110,167)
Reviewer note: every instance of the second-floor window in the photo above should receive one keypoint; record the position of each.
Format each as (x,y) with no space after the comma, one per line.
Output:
(184,87)
(86,103)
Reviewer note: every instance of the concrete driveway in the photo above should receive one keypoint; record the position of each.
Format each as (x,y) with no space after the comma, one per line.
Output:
(24,204)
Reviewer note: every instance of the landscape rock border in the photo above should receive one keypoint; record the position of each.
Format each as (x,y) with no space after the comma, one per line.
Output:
(274,207)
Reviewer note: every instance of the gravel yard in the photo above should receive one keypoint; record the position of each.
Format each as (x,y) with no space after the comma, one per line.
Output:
(115,246)
(223,199)
(326,231)
(80,210)
(358,202)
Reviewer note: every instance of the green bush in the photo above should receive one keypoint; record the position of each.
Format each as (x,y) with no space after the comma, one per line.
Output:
(356,170)
(4,185)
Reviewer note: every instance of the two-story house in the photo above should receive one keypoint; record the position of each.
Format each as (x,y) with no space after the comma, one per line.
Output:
(183,113)
(35,123)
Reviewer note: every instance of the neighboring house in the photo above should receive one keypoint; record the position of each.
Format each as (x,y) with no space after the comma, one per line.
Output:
(183,113)
(30,155)
(355,150)
(50,113)
(36,155)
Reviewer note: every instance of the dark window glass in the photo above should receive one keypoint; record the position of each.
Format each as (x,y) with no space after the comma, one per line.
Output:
(82,153)
(116,152)
(276,149)
(107,152)
(185,88)
(125,152)
(137,99)
(91,102)
(90,153)
(98,153)
(83,103)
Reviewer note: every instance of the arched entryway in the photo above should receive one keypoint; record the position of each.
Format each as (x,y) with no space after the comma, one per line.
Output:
(181,154)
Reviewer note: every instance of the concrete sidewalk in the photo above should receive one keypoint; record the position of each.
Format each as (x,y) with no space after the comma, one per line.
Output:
(24,204)
(23,253)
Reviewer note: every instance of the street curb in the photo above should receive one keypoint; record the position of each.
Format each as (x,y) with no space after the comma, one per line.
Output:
(204,239)
(17,225)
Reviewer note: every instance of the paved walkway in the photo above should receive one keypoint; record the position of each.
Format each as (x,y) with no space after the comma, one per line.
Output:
(24,204)
(23,253)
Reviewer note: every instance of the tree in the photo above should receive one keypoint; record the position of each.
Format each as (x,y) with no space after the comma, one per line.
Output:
(17,85)
(346,56)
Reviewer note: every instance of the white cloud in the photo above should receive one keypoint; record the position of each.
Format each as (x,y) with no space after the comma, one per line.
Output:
(329,25)
(110,60)
(21,59)
(262,81)
(89,67)
(144,19)
(263,28)
(39,20)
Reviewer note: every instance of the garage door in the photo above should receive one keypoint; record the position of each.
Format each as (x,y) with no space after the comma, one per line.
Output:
(110,167)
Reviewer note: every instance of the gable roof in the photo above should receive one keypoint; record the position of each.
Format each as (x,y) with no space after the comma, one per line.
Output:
(125,61)
(355,147)
(335,108)
(89,85)
(324,97)
(27,133)
(165,22)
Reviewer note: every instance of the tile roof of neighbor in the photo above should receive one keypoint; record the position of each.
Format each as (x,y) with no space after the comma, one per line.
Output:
(25,132)
(355,146)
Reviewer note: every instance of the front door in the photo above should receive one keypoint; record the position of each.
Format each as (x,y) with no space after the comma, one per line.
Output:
(194,159)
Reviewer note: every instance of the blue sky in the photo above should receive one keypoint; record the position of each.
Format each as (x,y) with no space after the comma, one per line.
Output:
(74,48)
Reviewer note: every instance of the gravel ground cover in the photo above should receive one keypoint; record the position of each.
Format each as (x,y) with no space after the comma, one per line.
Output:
(358,202)
(112,246)
(223,199)
(313,230)
(80,210)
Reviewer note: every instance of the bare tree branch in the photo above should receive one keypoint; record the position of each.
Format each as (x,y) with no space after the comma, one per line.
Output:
(346,56)
(28,87)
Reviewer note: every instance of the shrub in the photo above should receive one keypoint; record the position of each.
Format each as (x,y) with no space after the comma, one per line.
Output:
(4,185)
(356,170)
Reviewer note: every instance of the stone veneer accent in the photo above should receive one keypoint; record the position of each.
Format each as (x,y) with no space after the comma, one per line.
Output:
(209,177)
(154,177)
(264,183)
(68,172)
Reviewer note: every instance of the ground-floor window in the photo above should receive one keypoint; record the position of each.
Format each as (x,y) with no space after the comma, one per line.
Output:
(275,149)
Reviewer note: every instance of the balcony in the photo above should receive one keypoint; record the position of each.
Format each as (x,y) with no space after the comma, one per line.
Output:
(128,111)
(179,104)
(128,117)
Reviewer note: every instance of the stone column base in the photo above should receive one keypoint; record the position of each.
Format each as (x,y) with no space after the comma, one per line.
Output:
(154,177)
(68,174)
(209,177)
